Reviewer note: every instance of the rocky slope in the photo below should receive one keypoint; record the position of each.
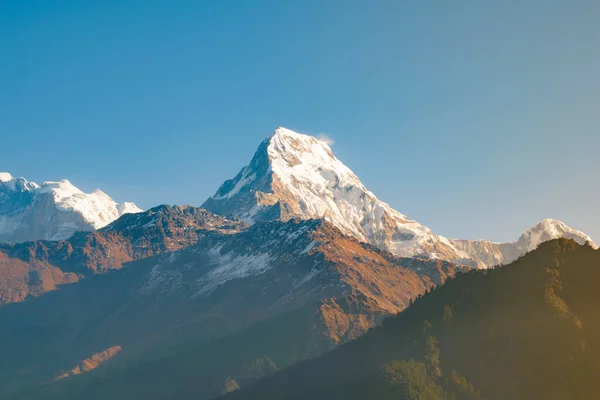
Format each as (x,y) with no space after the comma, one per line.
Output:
(39,266)
(220,285)
(297,176)
(52,210)
(19,279)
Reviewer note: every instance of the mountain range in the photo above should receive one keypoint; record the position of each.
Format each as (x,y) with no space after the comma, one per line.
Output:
(36,267)
(222,283)
(291,175)
(52,210)
(293,256)
(297,176)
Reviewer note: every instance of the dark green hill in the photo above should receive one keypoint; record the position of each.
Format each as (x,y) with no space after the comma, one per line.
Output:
(529,330)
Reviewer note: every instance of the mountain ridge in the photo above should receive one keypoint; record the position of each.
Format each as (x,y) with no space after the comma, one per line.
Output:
(293,175)
(218,285)
(129,238)
(53,210)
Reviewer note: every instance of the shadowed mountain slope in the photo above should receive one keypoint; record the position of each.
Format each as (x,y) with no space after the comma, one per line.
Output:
(527,330)
(221,285)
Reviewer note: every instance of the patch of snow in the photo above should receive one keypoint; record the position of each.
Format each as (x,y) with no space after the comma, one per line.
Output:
(306,278)
(162,280)
(310,246)
(151,223)
(230,267)
(239,185)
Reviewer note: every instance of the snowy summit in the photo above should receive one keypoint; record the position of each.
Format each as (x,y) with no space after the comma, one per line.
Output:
(52,210)
(293,175)
(297,176)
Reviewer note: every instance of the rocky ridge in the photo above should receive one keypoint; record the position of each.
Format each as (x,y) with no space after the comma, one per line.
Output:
(131,237)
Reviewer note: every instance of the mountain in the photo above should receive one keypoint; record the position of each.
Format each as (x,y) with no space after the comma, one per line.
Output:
(52,210)
(34,268)
(163,309)
(490,253)
(528,330)
(297,176)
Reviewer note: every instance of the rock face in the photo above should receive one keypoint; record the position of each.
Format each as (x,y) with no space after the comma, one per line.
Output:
(52,210)
(297,176)
(131,237)
(217,286)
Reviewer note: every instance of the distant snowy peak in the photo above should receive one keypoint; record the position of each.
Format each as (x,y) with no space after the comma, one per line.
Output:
(308,160)
(485,254)
(9,183)
(97,208)
(52,210)
(550,229)
(128,207)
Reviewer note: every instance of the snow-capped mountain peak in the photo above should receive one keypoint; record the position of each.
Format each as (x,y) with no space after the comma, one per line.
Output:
(483,253)
(308,160)
(127,207)
(97,208)
(297,176)
(550,229)
(53,210)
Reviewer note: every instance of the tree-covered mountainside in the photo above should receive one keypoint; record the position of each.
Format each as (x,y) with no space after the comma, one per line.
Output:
(529,330)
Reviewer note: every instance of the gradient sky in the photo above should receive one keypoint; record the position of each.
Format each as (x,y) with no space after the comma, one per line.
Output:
(476,118)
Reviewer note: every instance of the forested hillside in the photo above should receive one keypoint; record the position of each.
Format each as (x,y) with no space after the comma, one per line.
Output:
(527,330)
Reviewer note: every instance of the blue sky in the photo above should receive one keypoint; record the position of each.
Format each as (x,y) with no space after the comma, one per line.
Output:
(477,119)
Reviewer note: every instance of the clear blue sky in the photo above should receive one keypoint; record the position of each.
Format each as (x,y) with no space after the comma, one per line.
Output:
(476,118)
